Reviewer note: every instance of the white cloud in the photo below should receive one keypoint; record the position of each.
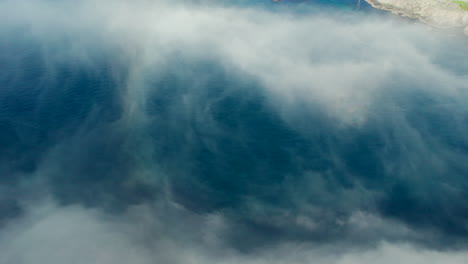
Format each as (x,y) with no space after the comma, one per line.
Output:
(339,60)
(48,233)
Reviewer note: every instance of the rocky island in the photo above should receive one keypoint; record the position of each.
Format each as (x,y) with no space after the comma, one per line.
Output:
(437,13)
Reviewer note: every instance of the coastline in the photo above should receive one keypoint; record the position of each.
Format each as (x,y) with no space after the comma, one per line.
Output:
(441,14)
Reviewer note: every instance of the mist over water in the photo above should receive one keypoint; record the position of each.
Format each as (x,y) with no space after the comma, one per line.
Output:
(212,132)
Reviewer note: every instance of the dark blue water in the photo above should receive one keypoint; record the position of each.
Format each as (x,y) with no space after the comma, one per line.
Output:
(212,137)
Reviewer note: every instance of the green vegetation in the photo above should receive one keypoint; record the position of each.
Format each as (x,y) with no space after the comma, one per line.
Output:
(462,4)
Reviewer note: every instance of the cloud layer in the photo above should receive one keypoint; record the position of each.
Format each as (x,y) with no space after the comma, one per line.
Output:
(194,131)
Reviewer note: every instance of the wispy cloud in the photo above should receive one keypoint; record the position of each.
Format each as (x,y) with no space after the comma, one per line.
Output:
(193,131)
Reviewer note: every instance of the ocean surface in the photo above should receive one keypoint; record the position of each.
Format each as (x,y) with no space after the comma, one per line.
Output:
(239,127)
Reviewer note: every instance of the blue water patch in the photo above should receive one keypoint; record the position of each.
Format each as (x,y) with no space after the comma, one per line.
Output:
(307,5)
(212,140)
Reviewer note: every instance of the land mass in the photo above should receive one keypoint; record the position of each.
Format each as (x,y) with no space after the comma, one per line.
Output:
(437,13)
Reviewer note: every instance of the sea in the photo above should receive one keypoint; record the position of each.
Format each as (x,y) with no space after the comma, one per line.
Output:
(316,131)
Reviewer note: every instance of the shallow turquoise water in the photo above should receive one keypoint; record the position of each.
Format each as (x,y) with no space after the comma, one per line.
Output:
(342,4)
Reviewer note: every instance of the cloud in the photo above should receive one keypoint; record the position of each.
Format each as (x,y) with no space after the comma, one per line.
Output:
(261,132)
(337,59)
(48,233)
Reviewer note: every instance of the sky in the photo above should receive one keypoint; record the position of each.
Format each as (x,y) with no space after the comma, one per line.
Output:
(229,132)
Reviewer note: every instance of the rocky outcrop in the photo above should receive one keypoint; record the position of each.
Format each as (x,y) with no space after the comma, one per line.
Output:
(437,13)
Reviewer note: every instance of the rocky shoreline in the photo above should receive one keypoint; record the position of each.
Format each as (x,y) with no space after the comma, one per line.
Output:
(440,13)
